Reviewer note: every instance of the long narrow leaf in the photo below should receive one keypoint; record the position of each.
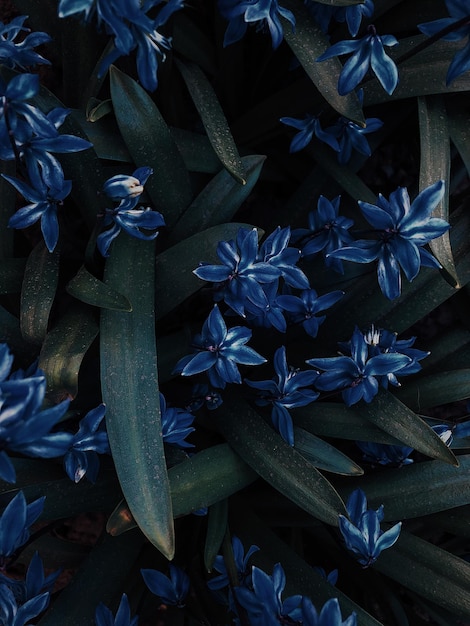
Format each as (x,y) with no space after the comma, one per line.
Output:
(213,118)
(130,390)
(434,166)
(87,288)
(149,141)
(38,292)
(277,462)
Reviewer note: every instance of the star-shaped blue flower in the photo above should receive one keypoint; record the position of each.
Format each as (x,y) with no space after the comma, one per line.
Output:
(104,617)
(263,13)
(20,54)
(288,391)
(366,53)
(327,231)
(403,229)
(219,351)
(176,425)
(358,375)
(304,309)
(15,523)
(330,614)
(241,563)
(362,533)
(350,136)
(308,127)
(171,590)
(458,11)
(44,204)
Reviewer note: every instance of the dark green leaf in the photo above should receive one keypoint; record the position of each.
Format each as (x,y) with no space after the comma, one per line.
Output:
(274,460)
(149,141)
(392,416)
(87,288)
(432,572)
(218,201)
(436,389)
(190,41)
(105,137)
(206,478)
(213,118)
(308,43)
(417,489)
(96,109)
(197,151)
(130,390)
(459,127)
(323,455)
(64,348)
(216,529)
(38,292)
(175,278)
(7,208)
(434,166)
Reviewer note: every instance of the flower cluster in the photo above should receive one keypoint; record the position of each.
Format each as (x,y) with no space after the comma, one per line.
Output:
(368,364)
(31,137)
(127,191)
(20,54)
(27,428)
(132,29)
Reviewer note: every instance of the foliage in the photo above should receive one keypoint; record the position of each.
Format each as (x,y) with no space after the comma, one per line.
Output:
(295,163)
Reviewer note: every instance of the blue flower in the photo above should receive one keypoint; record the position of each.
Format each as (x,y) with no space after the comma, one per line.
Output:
(367,52)
(264,603)
(385,454)
(171,591)
(362,533)
(327,232)
(204,395)
(242,274)
(303,309)
(350,136)
(35,583)
(81,457)
(308,127)
(176,425)
(270,315)
(44,203)
(357,376)
(287,392)
(130,220)
(104,617)
(24,427)
(275,251)
(15,523)
(132,29)
(321,13)
(264,13)
(219,351)
(127,188)
(403,229)
(241,564)
(458,11)
(12,615)
(330,614)
(20,54)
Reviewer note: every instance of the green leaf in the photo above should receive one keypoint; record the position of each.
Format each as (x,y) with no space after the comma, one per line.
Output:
(87,288)
(7,208)
(150,143)
(323,455)
(216,528)
(105,137)
(110,563)
(275,461)
(64,348)
(436,389)
(459,126)
(197,151)
(190,41)
(219,200)
(401,490)
(434,166)
(392,416)
(40,281)
(11,275)
(213,118)
(130,390)
(307,43)
(430,571)
(175,278)
(331,419)
(206,478)
(96,109)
